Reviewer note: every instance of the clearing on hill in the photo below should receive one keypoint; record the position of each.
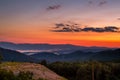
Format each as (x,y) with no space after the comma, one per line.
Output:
(38,70)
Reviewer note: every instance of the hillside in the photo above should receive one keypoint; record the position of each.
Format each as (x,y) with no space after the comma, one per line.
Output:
(39,71)
(74,56)
(106,55)
(51,57)
(11,55)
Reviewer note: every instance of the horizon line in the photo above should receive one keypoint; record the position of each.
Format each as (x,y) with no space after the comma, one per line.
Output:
(54,44)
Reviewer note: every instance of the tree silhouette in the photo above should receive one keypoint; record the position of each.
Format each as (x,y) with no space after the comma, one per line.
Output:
(1,57)
(43,62)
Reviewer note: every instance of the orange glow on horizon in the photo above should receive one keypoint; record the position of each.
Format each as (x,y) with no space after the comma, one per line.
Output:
(87,43)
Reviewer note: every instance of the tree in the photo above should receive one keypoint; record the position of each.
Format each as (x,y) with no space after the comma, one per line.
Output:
(43,62)
(1,57)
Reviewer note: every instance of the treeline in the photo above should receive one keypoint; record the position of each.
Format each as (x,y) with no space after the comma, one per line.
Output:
(9,75)
(92,70)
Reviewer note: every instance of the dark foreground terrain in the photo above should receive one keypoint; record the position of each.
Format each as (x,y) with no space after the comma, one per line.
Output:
(92,70)
(103,65)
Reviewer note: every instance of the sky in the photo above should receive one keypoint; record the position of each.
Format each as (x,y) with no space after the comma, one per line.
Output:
(44,21)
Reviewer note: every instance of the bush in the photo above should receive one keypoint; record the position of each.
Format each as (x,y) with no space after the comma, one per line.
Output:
(8,75)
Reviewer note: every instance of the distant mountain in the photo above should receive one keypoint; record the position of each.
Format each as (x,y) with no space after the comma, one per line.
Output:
(74,56)
(10,55)
(106,55)
(78,56)
(51,57)
(57,48)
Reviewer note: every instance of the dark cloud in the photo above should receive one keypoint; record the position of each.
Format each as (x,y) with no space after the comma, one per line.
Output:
(102,3)
(62,30)
(59,25)
(99,3)
(111,29)
(76,28)
(104,29)
(68,27)
(53,7)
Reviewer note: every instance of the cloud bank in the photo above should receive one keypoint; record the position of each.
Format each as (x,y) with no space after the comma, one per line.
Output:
(61,27)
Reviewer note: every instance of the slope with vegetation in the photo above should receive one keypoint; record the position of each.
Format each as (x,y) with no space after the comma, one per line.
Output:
(106,55)
(31,71)
(92,70)
(11,55)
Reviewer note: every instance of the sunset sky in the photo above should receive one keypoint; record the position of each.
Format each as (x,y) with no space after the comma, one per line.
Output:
(31,21)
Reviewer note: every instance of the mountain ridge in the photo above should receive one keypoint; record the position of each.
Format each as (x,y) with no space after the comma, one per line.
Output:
(106,55)
(11,55)
(57,48)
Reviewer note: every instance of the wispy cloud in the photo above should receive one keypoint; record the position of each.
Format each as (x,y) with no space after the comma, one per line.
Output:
(53,7)
(90,2)
(102,3)
(63,27)
(99,2)
(118,18)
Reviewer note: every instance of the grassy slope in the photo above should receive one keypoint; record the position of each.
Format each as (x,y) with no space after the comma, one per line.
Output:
(38,70)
